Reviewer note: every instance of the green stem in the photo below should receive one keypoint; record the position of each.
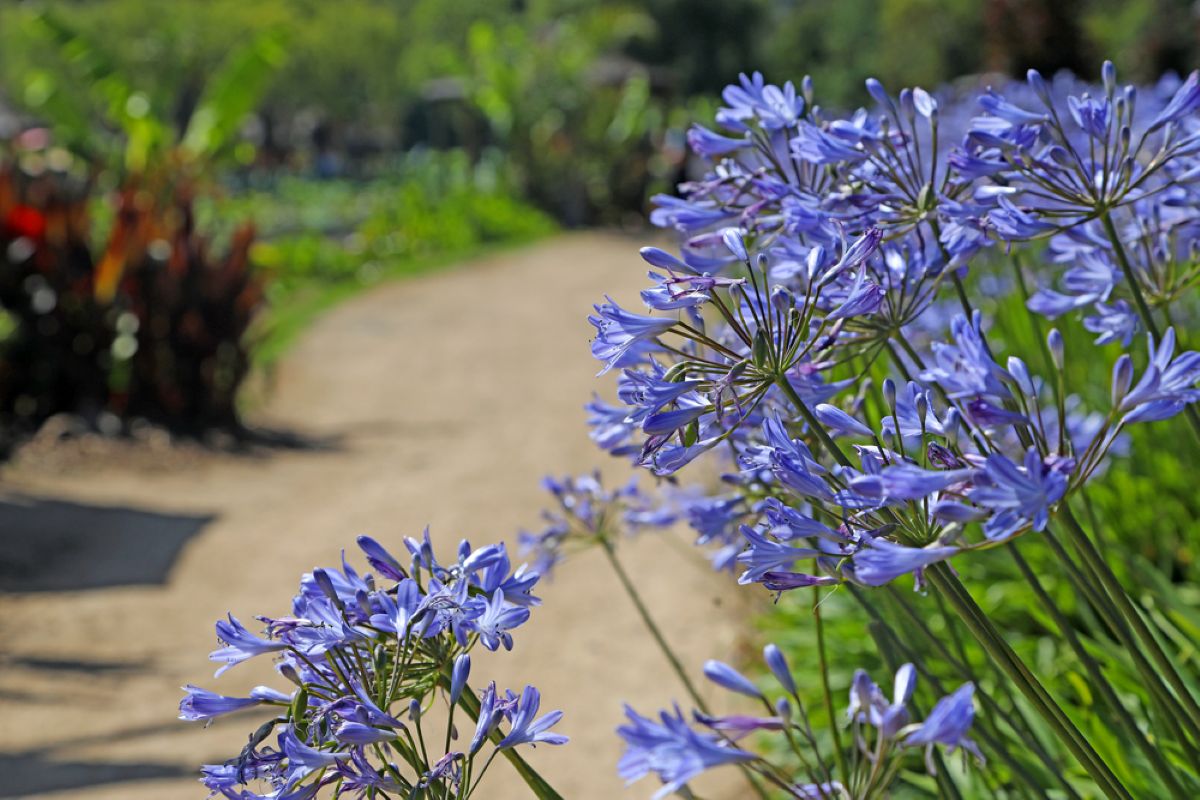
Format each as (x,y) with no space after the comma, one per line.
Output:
(651,626)
(1135,288)
(1018,721)
(1098,679)
(1117,593)
(839,752)
(1004,656)
(1089,587)
(1002,751)
(657,634)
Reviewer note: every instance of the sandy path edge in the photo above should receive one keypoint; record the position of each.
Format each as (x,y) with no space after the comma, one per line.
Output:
(451,395)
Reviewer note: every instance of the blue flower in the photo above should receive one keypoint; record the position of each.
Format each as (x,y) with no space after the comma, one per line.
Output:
(671,750)
(201,704)
(1019,496)
(902,482)
(868,705)
(1185,101)
(965,368)
(619,331)
(240,644)
(527,727)
(1167,385)
(709,143)
(764,556)
(881,561)
(948,723)
(496,618)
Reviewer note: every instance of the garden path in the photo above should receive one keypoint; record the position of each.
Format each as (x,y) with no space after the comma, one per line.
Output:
(447,397)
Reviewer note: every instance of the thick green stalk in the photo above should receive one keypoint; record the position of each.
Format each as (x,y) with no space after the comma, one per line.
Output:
(1099,681)
(1117,593)
(1004,656)
(994,709)
(1090,588)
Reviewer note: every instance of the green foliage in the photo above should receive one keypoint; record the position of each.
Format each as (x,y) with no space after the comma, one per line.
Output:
(320,241)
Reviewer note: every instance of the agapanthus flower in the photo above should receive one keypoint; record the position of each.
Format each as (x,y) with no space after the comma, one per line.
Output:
(677,751)
(360,649)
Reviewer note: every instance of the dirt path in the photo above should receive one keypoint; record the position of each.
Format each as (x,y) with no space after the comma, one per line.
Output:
(449,396)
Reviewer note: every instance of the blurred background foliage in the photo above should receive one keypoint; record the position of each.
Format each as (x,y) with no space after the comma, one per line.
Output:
(374,138)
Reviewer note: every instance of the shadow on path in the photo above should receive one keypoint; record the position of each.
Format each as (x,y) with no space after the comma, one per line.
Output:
(53,545)
(34,773)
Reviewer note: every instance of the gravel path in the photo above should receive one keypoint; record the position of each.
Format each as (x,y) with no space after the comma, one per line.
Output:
(447,398)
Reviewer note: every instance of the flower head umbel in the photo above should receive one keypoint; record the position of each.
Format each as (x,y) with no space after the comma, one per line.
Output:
(366,656)
(677,750)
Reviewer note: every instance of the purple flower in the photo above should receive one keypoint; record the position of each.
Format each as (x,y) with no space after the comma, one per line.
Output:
(201,704)
(240,644)
(965,369)
(1167,385)
(1019,496)
(708,143)
(764,555)
(618,331)
(527,727)
(1185,101)
(868,705)
(671,750)
(948,723)
(497,617)
(881,561)
(907,482)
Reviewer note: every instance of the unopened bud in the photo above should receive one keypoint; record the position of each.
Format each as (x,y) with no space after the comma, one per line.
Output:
(1122,377)
(1054,341)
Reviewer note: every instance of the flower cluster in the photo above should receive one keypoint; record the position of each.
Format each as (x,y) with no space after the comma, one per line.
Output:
(809,252)
(587,514)
(367,657)
(677,749)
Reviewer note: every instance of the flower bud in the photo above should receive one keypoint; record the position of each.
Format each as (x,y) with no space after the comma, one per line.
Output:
(1020,373)
(889,394)
(1122,377)
(907,105)
(729,678)
(806,89)
(779,667)
(736,244)
(458,676)
(876,90)
(1038,84)
(761,351)
(1108,74)
(1054,341)
(782,299)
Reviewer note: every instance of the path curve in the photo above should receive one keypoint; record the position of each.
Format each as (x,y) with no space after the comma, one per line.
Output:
(451,396)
